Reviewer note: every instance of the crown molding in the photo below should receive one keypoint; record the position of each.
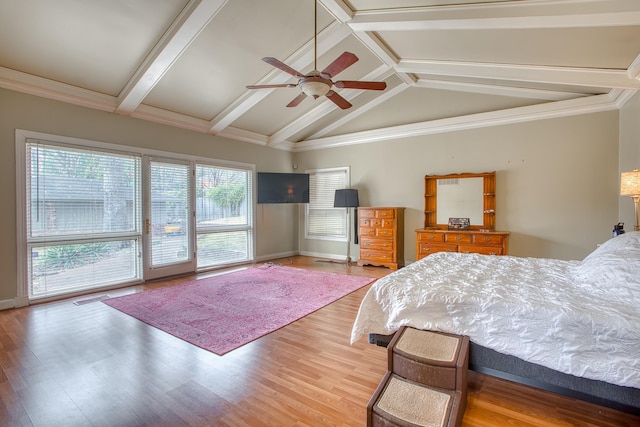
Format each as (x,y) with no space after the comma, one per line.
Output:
(45,88)
(587,105)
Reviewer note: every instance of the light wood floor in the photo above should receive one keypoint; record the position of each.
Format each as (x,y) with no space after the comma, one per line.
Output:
(90,365)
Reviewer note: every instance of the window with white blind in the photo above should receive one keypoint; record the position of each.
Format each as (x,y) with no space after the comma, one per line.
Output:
(224,231)
(94,215)
(323,221)
(82,218)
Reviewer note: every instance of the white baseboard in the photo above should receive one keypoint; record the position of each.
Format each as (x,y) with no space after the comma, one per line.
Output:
(276,256)
(14,303)
(337,257)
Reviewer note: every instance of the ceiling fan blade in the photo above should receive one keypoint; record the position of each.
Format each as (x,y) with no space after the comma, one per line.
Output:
(271,86)
(341,63)
(354,84)
(282,66)
(297,100)
(338,100)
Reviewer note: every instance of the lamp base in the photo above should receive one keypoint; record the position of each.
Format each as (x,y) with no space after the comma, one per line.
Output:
(636,227)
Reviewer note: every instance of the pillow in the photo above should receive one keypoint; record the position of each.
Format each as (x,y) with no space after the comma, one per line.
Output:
(629,240)
(614,263)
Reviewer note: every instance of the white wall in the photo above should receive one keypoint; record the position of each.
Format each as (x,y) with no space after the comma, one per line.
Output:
(556,180)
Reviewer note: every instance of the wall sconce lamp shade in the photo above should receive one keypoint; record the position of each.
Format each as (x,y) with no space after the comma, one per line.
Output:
(630,186)
(347,198)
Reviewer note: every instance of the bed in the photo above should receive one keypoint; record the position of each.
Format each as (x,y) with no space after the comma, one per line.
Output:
(572,327)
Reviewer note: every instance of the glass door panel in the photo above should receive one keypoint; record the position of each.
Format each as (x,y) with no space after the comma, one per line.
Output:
(168,223)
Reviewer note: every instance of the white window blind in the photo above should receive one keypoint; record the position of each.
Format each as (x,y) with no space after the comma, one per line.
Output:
(224,224)
(322,219)
(82,217)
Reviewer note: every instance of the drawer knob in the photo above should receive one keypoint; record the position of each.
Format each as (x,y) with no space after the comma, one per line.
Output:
(458,238)
(487,239)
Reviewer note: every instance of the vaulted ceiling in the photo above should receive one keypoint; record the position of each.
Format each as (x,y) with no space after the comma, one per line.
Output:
(448,64)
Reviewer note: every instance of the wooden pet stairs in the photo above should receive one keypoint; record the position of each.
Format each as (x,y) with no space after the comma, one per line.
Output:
(426,381)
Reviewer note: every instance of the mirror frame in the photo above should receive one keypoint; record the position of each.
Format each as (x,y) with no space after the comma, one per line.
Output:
(488,196)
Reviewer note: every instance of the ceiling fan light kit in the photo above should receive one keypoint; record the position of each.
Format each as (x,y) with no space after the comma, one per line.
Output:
(319,83)
(315,86)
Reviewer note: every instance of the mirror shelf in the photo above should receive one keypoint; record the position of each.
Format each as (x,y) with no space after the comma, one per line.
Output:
(478,203)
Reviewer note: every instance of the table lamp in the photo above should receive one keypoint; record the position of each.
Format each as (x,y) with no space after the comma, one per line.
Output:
(630,186)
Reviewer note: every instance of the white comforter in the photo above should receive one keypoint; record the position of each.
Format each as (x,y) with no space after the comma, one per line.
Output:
(579,318)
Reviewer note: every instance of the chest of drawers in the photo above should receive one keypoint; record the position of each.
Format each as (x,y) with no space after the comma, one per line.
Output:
(481,242)
(381,232)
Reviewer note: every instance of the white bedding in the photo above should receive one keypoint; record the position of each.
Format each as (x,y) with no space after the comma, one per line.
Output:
(580,318)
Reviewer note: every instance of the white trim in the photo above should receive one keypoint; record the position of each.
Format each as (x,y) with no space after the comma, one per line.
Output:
(22,291)
(420,20)
(277,255)
(326,255)
(570,76)
(572,107)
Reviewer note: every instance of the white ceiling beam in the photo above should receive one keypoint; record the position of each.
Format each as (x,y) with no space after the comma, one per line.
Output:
(299,60)
(182,32)
(590,77)
(383,52)
(492,89)
(338,9)
(417,21)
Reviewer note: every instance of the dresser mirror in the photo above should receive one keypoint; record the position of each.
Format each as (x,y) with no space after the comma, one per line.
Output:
(465,195)
(460,198)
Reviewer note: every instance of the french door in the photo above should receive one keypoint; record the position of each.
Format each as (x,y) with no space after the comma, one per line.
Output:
(168,223)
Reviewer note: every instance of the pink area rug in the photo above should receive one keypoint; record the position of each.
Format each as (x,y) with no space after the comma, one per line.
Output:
(224,312)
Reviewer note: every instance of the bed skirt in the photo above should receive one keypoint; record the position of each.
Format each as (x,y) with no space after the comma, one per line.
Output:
(490,362)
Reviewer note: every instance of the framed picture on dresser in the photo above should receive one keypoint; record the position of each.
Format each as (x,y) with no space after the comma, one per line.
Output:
(458,223)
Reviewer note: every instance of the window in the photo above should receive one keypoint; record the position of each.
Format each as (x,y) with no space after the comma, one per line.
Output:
(323,221)
(82,218)
(93,215)
(223,215)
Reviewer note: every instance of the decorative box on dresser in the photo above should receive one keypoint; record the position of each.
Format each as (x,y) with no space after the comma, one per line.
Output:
(381,231)
(479,238)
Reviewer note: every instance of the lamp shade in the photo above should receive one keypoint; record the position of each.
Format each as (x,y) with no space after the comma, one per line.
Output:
(630,183)
(346,198)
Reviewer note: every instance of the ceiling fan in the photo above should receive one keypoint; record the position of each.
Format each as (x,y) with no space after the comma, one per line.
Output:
(319,83)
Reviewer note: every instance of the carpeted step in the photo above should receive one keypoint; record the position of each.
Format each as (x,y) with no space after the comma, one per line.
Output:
(400,402)
(435,359)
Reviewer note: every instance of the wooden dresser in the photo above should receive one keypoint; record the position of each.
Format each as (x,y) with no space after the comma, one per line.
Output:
(381,232)
(480,237)
(481,242)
